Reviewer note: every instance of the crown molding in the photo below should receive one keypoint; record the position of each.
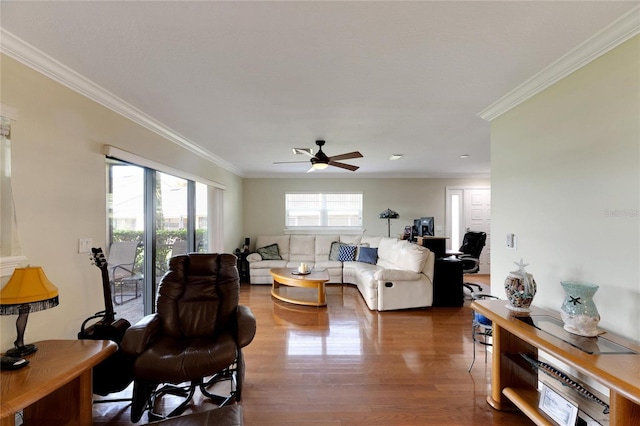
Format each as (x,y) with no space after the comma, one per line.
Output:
(30,56)
(613,35)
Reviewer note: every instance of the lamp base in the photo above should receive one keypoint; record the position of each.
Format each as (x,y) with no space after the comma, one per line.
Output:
(21,351)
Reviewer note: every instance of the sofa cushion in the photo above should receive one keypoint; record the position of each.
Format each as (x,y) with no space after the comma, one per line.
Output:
(411,257)
(367,255)
(268,264)
(385,248)
(372,241)
(350,239)
(358,247)
(323,246)
(328,264)
(302,248)
(281,240)
(334,250)
(270,252)
(347,253)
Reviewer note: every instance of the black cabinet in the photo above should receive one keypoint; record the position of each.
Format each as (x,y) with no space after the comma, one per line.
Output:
(447,282)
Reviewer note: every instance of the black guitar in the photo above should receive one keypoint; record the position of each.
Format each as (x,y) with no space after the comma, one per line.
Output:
(116,372)
(107,328)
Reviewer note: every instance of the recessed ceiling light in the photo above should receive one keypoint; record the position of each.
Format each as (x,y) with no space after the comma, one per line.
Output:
(465,156)
(395,156)
(299,151)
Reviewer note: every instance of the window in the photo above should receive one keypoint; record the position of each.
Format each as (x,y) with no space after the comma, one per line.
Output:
(323,210)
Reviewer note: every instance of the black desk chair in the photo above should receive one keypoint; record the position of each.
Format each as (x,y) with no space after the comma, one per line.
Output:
(471,248)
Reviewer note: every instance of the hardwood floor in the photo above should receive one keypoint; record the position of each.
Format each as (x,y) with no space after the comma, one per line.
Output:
(345,365)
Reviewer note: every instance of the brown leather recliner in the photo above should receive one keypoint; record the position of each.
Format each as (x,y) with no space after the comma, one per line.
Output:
(196,335)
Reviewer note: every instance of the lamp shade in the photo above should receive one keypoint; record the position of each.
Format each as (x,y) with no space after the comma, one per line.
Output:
(389,214)
(28,286)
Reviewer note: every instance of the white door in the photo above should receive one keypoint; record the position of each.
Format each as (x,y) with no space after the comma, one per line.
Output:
(469,209)
(477,217)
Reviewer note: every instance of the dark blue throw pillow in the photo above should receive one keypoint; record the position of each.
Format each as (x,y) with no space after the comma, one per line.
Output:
(347,253)
(368,255)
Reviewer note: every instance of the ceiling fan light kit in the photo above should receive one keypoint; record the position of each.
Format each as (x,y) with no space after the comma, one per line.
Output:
(318,165)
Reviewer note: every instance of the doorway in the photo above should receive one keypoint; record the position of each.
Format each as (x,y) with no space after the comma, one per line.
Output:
(469,208)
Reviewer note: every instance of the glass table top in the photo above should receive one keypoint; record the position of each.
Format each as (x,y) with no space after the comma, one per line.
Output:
(592,345)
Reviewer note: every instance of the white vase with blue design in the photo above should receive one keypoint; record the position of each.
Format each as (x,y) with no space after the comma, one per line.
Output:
(579,313)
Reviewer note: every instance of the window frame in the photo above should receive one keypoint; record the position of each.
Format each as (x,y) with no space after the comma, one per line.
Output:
(324,214)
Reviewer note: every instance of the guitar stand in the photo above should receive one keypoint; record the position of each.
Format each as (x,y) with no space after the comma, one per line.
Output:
(82,334)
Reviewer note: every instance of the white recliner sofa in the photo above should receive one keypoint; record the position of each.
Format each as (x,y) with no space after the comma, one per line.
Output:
(400,278)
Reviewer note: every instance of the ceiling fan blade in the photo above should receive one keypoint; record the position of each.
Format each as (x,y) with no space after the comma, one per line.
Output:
(304,152)
(290,162)
(347,156)
(344,166)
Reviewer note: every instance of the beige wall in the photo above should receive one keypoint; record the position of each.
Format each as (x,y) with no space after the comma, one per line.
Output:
(411,198)
(565,169)
(59,189)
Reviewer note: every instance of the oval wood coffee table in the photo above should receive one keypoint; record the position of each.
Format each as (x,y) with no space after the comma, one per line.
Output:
(287,276)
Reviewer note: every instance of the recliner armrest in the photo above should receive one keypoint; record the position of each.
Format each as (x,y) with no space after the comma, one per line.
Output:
(397,275)
(139,335)
(246,325)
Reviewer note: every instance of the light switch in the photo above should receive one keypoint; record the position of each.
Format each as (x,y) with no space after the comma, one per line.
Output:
(84,245)
(511,241)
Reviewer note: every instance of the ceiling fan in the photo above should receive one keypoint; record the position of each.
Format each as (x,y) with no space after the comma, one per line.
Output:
(321,161)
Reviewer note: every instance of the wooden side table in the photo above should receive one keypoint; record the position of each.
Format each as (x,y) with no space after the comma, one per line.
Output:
(55,388)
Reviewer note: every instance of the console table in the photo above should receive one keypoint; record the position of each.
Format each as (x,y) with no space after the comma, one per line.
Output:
(614,362)
(55,388)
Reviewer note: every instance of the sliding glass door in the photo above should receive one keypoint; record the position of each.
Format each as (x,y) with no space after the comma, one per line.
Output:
(125,253)
(165,215)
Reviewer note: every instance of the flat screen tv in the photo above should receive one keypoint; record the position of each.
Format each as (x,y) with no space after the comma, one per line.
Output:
(424,227)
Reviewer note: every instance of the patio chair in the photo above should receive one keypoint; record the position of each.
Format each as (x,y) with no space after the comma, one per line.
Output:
(481,328)
(121,264)
(179,247)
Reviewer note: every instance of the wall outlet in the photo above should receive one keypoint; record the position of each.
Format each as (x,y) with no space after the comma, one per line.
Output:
(84,245)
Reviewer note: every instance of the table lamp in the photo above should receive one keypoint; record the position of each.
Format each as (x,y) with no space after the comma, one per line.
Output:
(389,214)
(28,290)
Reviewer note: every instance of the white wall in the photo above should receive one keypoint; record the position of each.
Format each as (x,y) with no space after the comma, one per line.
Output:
(59,188)
(565,169)
(411,198)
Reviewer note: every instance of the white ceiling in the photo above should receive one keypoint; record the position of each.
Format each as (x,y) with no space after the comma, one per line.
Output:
(248,81)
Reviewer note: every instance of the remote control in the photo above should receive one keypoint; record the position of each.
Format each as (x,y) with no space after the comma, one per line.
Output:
(12,363)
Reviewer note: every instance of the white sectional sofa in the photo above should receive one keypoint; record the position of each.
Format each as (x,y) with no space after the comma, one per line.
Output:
(401,276)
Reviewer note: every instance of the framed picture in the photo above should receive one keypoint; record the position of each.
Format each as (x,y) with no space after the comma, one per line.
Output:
(557,407)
